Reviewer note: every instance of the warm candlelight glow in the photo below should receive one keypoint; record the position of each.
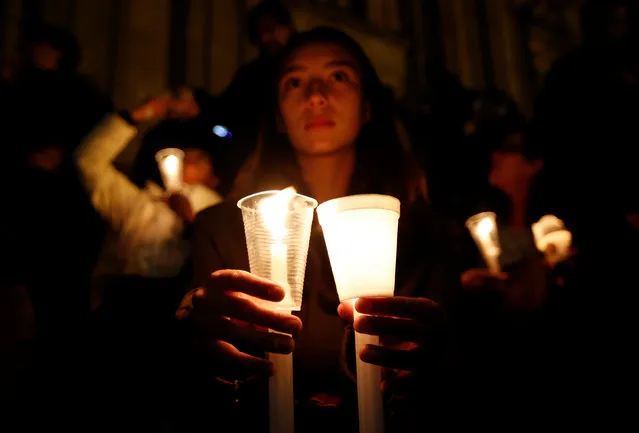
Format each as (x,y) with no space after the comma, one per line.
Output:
(361,237)
(274,210)
(170,163)
(360,232)
(552,238)
(483,228)
(277,225)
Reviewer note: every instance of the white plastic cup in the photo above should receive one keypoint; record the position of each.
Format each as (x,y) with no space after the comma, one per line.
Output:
(552,238)
(171,164)
(278,225)
(360,232)
(483,228)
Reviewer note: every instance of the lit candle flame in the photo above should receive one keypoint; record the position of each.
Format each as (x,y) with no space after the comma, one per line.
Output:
(171,164)
(485,228)
(274,210)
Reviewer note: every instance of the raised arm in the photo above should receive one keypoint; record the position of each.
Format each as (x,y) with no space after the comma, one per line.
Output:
(111,192)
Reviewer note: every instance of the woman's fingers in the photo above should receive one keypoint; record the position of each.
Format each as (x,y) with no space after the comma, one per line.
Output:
(248,336)
(246,310)
(345,311)
(403,329)
(249,311)
(244,282)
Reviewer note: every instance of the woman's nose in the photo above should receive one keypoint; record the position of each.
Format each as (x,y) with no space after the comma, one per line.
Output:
(317,93)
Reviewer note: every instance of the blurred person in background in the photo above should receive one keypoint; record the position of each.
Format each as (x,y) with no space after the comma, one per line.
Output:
(522,318)
(240,106)
(145,262)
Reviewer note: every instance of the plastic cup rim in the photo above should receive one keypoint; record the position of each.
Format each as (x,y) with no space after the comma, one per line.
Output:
(309,200)
(324,217)
(473,220)
(163,153)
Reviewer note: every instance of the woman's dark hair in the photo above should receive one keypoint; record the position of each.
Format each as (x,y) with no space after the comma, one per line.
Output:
(383,166)
(268,8)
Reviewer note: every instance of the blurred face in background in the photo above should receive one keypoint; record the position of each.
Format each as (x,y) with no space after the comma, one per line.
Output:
(45,57)
(48,158)
(198,169)
(271,35)
(511,171)
(320,99)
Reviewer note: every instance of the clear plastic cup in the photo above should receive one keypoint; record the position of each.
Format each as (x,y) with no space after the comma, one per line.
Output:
(277,225)
(360,232)
(171,164)
(483,228)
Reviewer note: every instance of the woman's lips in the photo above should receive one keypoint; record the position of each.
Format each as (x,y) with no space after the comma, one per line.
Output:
(319,123)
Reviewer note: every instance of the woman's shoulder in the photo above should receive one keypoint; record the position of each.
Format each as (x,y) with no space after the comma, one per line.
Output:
(221,226)
(220,211)
(220,218)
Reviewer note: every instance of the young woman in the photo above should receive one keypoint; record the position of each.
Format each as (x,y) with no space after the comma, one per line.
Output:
(330,134)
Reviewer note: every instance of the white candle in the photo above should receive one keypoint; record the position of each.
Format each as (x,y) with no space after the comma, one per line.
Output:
(369,378)
(279,269)
(361,238)
(281,402)
(277,225)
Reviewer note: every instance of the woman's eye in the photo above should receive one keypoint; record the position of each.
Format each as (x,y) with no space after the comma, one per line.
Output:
(339,77)
(292,83)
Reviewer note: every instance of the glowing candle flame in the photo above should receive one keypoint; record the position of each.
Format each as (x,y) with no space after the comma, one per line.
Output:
(274,210)
(171,165)
(485,228)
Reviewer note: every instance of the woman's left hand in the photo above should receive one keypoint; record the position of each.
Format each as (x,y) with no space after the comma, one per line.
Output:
(405,326)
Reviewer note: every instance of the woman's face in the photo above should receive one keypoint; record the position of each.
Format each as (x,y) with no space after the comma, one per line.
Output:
(510,170)
(320,99)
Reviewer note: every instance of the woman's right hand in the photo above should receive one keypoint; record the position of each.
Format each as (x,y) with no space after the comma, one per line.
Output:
(227,312)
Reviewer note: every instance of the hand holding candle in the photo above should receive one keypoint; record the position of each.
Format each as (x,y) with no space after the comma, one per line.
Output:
(483,228)
(552,238)
(170,162)
(278,229)
(228,301)
(410,321)
(277,225)
(361,237)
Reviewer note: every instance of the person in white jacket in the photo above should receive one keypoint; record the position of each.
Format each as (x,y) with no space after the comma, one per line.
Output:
(147,223)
